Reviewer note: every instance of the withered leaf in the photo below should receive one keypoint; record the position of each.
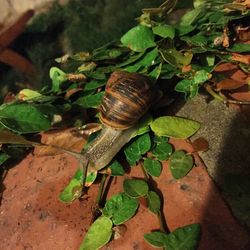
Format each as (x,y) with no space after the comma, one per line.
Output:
(65,139)
(9,137)
(241,58)
(70,92)
(225,67)
(225,41)
(90,128)
(200,145)
(229,84)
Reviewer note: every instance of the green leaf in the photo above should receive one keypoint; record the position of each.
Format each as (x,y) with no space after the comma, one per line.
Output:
(164,31)
(120,208)
(188,87)
(156,239)
(201,76)
(98,74)
(168,71)
(74,189)
(180,164)
(116,169)
(197,40)
(152,167)
(154,202)
(138,147)
(184,238)
(23,118)
(132,59)
(191,86)
(191,16)
(143,126)
(138,38)
(185,29)
(98,234)
(3,157)
(147,60)
(90,178)
(90,101)
(57,76)
(94,85)
(176,58)
(87,66)
(28,94)
(131,157)
(240,47)
(135,188)
(107,54)
(210,60)
(155,73)
(172,126)
(163,150)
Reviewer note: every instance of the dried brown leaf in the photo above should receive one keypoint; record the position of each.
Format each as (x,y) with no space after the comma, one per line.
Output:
(225,38)
(9,137)
(243,2)
(243,33)
(10,97)
(76,77)
(225,67)
(200,145)
(70,92)
(241,58)
(186,68)
(90,128)
(119,231)
(229,84)
(66,139)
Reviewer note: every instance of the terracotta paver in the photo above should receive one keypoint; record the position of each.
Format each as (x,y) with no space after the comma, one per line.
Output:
(32,217)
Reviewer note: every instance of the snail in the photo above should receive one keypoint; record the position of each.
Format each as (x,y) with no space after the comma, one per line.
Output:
(127,98)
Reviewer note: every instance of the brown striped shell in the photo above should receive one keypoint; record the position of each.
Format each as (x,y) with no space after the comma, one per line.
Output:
(127,98)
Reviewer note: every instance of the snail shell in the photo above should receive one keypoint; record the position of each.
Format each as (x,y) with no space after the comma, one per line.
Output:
(127,98)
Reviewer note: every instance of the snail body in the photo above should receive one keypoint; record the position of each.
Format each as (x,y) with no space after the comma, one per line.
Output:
(127,98)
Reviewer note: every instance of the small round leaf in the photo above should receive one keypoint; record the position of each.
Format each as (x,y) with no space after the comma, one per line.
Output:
(162,151)
(135,188)
(120,208)
(98,234)
(184,238)
(180,164)
(154,202)
(156,239)
(153,167)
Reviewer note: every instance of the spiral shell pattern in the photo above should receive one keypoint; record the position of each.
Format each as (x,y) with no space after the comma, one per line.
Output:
(127,98)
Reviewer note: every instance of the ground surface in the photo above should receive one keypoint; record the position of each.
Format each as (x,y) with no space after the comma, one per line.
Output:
(31,216)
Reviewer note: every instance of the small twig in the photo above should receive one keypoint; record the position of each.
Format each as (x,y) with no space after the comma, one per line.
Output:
(220,97)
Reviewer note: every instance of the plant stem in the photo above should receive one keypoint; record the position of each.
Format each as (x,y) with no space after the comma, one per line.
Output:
(100,190)
(161,221)
(160,215)
(221,98)
(96,208)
